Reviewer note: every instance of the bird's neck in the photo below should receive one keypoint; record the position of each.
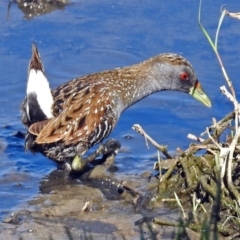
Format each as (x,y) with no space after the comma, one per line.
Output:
(138,82)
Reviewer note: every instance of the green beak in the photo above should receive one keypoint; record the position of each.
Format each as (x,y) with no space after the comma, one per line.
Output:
(198,93)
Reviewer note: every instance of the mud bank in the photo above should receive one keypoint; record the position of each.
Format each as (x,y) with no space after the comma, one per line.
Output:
(103,205)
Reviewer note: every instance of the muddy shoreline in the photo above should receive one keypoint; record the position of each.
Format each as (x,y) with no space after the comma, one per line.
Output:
(106,207)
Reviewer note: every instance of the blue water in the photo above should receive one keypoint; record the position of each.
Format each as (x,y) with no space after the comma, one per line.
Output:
(91,36)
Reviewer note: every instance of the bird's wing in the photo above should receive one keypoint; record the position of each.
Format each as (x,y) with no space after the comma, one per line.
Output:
(87,116)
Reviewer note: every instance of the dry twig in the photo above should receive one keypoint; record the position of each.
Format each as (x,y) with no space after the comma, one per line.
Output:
(161,148)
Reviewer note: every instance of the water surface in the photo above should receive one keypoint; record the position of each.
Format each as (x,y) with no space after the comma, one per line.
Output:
(91,36)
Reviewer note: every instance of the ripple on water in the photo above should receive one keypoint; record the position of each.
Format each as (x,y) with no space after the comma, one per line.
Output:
(20,173)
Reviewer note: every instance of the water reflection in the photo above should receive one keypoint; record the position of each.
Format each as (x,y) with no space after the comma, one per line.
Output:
(34,8)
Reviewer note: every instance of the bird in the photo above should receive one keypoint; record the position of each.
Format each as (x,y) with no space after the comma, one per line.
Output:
(66,122)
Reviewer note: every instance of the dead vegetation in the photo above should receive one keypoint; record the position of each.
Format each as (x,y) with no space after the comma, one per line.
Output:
(205,178)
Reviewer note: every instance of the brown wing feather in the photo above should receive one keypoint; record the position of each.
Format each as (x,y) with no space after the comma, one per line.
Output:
(37,127)
(87,117)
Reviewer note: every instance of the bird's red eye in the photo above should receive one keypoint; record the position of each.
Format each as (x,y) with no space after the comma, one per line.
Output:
(184,76)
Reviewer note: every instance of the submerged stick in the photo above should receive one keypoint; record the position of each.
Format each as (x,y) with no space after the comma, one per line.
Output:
(162,222)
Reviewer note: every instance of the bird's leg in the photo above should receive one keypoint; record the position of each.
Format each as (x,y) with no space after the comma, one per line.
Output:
(109,150)
(113,148)
(63,166)
(79,162)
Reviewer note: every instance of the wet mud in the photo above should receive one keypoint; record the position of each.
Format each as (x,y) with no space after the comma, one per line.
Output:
(106,207)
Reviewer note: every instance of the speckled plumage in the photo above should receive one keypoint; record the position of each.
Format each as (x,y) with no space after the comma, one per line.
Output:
(86,109)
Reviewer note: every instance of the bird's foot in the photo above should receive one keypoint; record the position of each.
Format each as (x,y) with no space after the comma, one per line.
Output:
(108,151)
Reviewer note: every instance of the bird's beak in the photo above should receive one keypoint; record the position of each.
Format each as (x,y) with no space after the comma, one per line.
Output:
(198,93)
